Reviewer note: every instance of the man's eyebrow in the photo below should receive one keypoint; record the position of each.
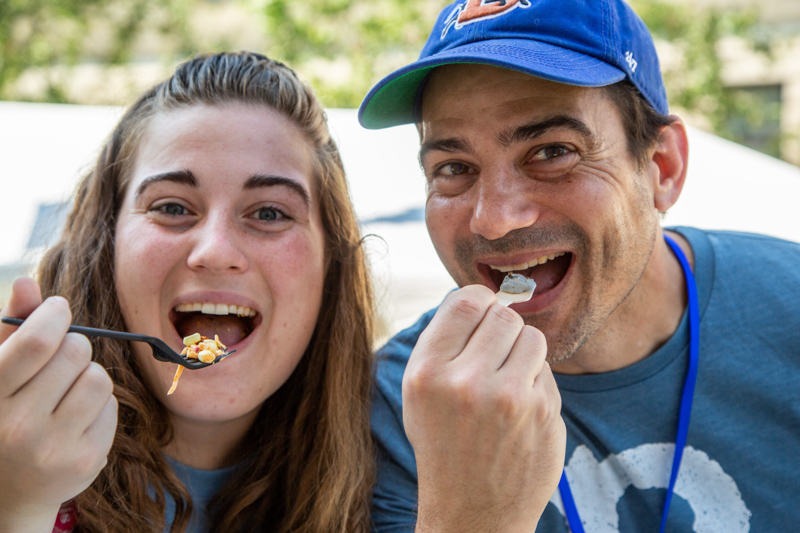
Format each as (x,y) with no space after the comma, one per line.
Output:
(258,181)
(179,176)
(527,132)
(451,145)
(530,132)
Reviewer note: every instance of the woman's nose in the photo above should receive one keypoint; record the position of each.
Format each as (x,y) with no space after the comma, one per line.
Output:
(218,245)
(502,206)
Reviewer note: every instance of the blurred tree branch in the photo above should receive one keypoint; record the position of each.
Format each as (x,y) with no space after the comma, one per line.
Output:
(342,47)
(50,33)
(695,81)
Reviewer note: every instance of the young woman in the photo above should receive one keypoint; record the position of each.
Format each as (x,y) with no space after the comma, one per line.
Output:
(219,206)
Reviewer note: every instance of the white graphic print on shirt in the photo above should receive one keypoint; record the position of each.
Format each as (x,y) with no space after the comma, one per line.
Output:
(597,487)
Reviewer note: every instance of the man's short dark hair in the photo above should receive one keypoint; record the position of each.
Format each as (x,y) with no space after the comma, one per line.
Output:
(642,123)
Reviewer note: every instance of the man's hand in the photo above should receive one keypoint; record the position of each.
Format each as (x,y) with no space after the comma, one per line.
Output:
(57,412)
(482,410)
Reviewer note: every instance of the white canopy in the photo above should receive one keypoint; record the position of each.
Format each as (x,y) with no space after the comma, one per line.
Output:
(45,148)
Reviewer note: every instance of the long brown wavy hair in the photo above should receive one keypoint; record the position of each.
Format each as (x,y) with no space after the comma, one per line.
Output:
(309,460)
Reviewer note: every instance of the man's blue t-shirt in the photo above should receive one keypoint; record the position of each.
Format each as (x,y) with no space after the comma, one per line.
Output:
(741,465)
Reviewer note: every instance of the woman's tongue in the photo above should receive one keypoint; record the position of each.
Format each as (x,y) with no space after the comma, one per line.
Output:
(231,329)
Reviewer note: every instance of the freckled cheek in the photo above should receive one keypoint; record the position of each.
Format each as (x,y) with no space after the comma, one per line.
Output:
(292,263)
(143,259)
(295,273)
(149,245)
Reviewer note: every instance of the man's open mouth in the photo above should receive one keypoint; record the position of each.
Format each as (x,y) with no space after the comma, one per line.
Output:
(547,271)
(232,323)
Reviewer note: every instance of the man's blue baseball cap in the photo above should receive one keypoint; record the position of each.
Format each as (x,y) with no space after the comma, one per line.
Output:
(589,43)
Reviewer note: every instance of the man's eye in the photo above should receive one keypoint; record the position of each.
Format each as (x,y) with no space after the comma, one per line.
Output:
(550,152)
(454,169)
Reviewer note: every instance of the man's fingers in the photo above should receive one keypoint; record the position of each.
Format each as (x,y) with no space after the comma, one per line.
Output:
(546,383)
(25,297)
(492,341)
(454,323)
(28,349)
(527,357)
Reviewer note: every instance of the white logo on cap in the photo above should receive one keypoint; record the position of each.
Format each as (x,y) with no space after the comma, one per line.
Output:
(471,11)
(632,63)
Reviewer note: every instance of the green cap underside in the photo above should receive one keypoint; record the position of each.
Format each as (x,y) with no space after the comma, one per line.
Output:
(393,104)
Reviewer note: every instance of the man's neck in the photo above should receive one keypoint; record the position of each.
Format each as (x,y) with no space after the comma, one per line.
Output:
(643,322)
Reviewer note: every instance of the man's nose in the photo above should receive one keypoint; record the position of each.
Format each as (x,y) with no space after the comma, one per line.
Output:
(502,205)
(218,245)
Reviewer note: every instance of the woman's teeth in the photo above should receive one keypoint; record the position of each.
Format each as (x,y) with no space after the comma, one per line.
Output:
(216,309)
(522,266)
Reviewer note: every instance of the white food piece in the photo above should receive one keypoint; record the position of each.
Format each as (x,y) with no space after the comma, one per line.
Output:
(191,339)
(206,356)
(515,288)
(517,283)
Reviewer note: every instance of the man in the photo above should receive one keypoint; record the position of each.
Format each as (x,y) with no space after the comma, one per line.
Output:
(549,151)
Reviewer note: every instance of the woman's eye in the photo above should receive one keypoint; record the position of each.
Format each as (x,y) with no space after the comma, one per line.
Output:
(550,152)
(268,214)
(172,209)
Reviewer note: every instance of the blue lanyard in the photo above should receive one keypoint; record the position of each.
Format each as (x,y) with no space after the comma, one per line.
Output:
(570,510)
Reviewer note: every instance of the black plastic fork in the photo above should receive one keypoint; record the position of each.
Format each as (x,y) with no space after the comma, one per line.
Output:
(161,351)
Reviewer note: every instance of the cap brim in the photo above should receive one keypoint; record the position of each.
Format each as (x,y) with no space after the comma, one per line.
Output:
(392,101)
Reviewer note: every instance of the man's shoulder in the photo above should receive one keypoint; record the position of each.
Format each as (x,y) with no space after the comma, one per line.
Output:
(740,240)
(752,275)
(748,250)
(391,361)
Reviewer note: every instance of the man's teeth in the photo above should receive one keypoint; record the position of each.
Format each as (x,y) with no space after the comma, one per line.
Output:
(522,266)
(216,309)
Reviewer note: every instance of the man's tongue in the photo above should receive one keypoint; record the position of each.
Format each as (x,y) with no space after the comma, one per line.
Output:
(231,329)
(549,274)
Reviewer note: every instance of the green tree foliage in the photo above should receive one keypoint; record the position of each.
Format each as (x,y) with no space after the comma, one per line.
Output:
(343,46)
(364,41)
(694,81)
(42,34)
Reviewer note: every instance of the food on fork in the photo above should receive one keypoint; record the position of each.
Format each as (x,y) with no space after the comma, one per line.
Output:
(515,288)
(199,347)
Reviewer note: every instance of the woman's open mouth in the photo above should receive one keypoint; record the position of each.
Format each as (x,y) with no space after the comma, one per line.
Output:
(547,271)
(231,322)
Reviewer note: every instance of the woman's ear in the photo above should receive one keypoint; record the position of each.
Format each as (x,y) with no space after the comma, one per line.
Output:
(669,163)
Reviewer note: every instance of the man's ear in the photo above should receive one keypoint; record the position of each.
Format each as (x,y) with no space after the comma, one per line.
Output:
(668,165)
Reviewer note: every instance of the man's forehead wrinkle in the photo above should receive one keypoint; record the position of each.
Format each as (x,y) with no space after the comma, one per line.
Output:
(533,130)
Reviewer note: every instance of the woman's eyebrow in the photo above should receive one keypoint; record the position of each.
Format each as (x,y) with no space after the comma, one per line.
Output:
(179,176)
(258,181)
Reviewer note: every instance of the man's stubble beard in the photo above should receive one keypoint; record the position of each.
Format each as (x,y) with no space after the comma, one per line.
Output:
(563,344)
(563,340)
